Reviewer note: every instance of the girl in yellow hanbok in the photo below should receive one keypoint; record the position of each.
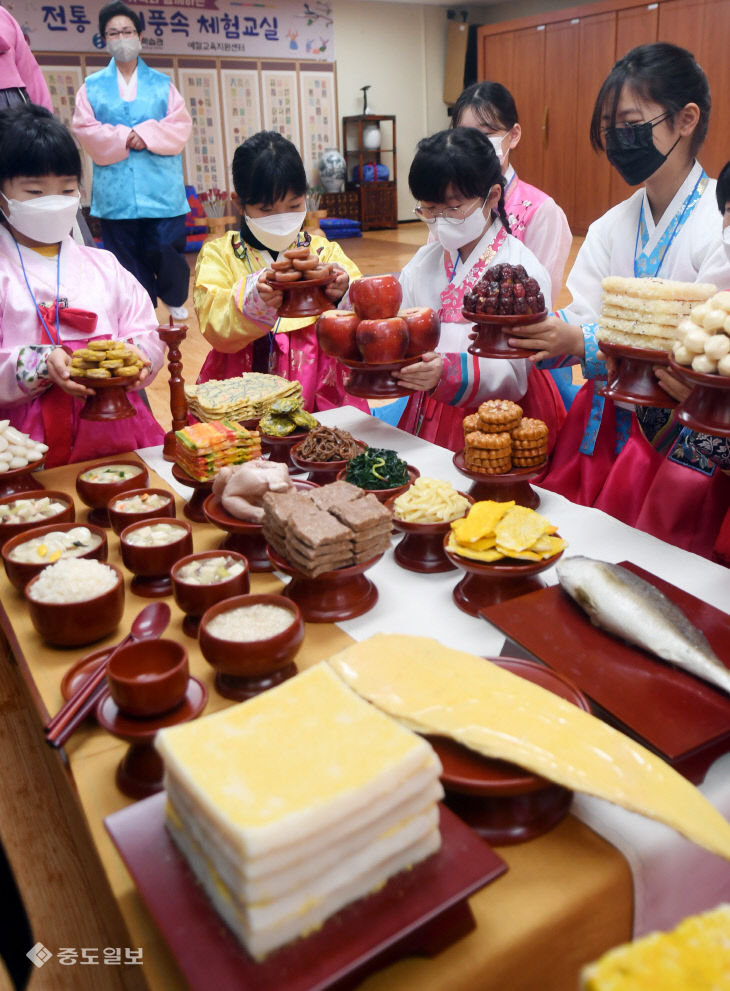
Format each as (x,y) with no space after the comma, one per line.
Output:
(237,310)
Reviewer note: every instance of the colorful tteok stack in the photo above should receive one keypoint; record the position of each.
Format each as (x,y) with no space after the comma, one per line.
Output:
(202,449)
(297,802)
(246,397)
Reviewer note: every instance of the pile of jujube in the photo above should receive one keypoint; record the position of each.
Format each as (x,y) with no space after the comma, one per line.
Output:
(505,290)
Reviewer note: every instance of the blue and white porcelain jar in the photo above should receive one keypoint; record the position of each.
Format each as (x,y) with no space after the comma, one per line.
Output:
(332,171)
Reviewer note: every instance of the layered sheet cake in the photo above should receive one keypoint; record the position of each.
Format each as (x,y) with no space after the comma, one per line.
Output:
(293,804)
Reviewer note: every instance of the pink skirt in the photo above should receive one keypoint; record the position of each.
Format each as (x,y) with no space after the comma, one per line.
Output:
(441,424)
(297,357)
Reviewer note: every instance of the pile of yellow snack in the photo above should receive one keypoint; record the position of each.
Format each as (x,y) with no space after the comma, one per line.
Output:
(104,360)
(492,531)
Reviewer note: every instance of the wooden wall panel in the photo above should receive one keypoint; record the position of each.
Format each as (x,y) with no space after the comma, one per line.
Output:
(592,190)
(580,46)
(528,88)
(562,73)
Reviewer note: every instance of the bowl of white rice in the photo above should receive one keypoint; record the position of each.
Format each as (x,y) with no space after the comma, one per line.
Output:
(76,601)
(251,641)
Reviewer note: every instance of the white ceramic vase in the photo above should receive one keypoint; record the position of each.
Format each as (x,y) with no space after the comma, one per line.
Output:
(371,137)
(332,171)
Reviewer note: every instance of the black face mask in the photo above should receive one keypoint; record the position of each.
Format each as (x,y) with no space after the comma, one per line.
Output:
(632,152)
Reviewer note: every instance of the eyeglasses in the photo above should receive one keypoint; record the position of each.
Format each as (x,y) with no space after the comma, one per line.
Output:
(629,133)
(125,33)
(452,214)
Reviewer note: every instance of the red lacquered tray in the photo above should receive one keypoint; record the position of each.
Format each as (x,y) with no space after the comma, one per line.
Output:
(418,911)
(683,719)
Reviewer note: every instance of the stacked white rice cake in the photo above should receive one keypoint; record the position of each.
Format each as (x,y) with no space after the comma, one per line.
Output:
(297,802)
(645,313)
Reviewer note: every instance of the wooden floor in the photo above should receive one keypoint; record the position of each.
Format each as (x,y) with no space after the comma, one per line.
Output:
(373,253)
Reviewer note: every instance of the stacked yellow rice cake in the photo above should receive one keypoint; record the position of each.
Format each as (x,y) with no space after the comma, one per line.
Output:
(297,802)
(202,449)
(645,313)
(246,397)
(693,957)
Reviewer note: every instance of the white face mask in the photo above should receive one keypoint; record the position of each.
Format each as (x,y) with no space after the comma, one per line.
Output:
(47,219)
(124,49)
(455,236)
(497,145)
(278,230)
(726,241)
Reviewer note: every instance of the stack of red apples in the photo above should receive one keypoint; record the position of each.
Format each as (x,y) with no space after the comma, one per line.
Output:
(376,331)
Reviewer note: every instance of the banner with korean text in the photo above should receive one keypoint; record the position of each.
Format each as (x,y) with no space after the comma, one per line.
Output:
(293,29)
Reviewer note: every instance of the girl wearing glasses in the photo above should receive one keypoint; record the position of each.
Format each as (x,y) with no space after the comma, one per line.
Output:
(457,179)
(650,117)
(134,124)
(534,217)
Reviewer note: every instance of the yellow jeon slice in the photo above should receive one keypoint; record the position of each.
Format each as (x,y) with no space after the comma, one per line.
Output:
(489,553)
(433,689)
(520,528)
(480,521)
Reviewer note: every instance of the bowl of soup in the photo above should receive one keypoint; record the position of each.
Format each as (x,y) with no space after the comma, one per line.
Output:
(27,554)
(149,550)
(101,482)
(27,510)
(200,580)
(137,505)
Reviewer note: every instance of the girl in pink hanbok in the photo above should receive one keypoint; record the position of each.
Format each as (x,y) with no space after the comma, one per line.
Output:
(56,295)
(651,117)
(457,179)
(237,310)
(534,216)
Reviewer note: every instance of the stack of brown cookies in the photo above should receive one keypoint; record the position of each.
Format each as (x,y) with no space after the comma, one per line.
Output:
(326,528)
(529,443)
(497,439)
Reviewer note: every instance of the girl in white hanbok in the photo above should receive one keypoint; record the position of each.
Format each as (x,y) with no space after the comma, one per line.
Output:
(457,178)
(651,117)
(56,295)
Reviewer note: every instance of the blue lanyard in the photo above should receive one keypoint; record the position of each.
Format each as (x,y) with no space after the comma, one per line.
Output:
(688,204)
(456,265)
(57,342)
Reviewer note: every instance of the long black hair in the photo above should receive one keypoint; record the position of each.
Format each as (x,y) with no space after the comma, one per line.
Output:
(722,190)
(663,73)
(492,103)
(266,167)
(461,157)
(34,143)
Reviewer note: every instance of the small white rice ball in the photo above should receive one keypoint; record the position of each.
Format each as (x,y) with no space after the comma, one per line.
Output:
(723,365)
(701,363)
(699,313)
(682,355)
(717,346)
(695,341)
(714,319)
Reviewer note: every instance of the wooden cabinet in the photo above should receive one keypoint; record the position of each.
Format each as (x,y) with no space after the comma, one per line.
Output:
(554,65)
(377,199)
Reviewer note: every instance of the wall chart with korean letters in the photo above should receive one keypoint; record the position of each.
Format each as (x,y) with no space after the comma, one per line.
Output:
(240,67)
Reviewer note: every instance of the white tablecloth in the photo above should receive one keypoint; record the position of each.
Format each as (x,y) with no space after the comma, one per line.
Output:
(672,877)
